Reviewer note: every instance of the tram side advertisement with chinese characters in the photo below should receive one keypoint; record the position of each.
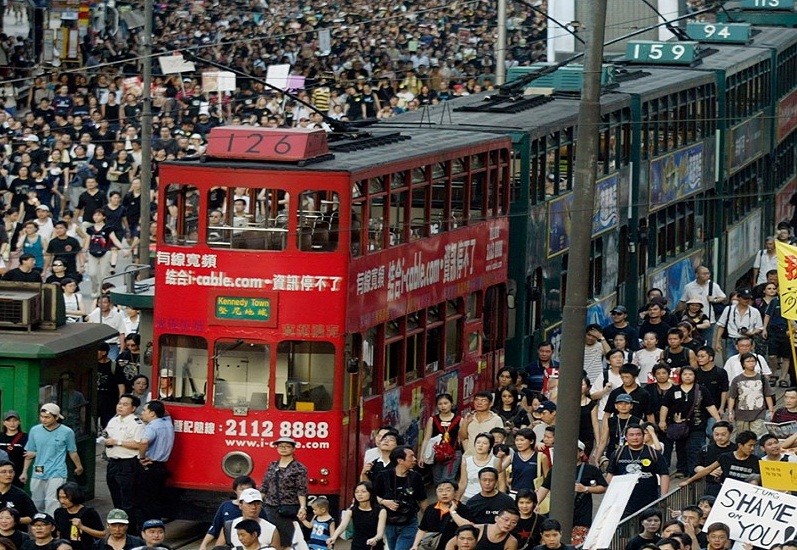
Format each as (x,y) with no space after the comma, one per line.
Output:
(421,274)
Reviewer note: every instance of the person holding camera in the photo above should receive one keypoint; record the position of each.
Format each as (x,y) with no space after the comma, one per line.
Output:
(733,366)
(739,319)
(402,493)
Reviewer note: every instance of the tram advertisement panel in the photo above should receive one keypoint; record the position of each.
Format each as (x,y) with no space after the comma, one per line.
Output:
(675,176)
(606,214)
(407,278)
(787,115)
(274,295)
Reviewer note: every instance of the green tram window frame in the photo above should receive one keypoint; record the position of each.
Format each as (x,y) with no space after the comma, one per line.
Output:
(673,121)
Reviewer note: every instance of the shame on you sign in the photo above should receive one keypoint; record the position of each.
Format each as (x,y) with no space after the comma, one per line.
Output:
(756,515)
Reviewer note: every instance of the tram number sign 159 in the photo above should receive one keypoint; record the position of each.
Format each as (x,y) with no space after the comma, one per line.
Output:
(767,4)
(266,428)
(664,53)
(723,33)
(269,144)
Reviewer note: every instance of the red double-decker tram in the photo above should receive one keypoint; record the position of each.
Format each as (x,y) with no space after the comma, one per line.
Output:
(318,291)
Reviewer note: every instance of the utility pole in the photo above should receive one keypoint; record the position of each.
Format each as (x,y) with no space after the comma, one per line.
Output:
(575,310)
(500,45)
(146,133)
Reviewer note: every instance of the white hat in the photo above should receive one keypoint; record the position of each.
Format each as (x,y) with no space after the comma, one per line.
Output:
(251,495)
(53,409)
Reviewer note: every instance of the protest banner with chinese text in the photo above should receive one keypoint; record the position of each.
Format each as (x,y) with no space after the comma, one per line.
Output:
(781,476)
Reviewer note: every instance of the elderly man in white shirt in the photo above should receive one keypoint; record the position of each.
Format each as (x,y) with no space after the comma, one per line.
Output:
(733,366)
(106,314)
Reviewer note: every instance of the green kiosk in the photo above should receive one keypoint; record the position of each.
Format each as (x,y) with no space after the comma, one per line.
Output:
(43,360)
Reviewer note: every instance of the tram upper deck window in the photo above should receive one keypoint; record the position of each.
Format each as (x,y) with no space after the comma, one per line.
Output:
(318,221)
(241,374)
(182,364)
(181,222)
(305,375)
(245,218)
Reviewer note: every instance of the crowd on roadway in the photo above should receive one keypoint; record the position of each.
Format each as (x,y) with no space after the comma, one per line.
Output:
(50,514)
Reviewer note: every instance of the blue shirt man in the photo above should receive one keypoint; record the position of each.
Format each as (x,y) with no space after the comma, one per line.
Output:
(154,450)
(47,447)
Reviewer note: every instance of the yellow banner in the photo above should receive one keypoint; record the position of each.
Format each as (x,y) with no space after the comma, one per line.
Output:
(781,476)
(787,279)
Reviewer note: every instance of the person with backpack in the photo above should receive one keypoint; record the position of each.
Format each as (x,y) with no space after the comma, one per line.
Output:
(637,457)
(101,240)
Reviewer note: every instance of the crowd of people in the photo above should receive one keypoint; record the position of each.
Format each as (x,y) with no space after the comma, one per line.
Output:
(50,514)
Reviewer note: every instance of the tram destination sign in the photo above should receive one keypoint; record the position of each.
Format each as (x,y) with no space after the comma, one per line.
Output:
(243,308)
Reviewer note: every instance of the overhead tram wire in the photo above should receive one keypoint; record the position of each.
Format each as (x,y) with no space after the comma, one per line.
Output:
(81,70)
(337,125)
(516,86)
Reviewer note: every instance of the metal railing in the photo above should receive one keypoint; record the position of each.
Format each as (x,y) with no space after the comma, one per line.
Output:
(677,499)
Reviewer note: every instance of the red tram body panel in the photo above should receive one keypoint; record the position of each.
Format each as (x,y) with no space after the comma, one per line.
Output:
(321,301)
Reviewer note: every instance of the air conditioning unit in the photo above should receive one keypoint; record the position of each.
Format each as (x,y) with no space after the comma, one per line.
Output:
(20,308)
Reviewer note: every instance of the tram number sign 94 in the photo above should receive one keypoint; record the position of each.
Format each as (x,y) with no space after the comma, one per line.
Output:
(664,53)
(767,4)
(266,144)
(724,33)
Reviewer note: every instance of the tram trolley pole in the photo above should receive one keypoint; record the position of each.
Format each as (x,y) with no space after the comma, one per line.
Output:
(575,310)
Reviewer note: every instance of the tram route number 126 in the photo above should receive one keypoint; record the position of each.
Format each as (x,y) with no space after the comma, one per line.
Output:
(265,428)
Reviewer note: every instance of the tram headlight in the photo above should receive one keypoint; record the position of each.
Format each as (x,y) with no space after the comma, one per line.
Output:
(237,464)
(324,471)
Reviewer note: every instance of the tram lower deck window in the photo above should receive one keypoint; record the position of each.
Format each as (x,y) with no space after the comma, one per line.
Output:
(182,361)
(304,375)
(241,374)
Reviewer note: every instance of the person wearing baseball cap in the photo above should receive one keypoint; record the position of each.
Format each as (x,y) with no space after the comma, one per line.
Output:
(42,527)
(153,531)
(49,442)
(251,504)
(118,537)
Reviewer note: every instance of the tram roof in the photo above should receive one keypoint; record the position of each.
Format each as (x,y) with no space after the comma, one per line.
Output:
(422,142)
(733,59)
(50,344)
(659,81)
(779,38)
(561,112)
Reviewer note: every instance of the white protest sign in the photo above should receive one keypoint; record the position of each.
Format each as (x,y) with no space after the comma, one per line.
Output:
(324,42)
(175,64)
(610,512)
(756,515)
(218,81)
(277,76)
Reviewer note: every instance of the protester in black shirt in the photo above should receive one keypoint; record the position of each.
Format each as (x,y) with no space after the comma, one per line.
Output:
(739,464)
(552,537)
(649,523)
(713,378)
(589,481)
(721,435)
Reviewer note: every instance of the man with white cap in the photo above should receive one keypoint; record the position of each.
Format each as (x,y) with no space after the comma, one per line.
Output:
(251,502)
(48,444)
(118,538)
